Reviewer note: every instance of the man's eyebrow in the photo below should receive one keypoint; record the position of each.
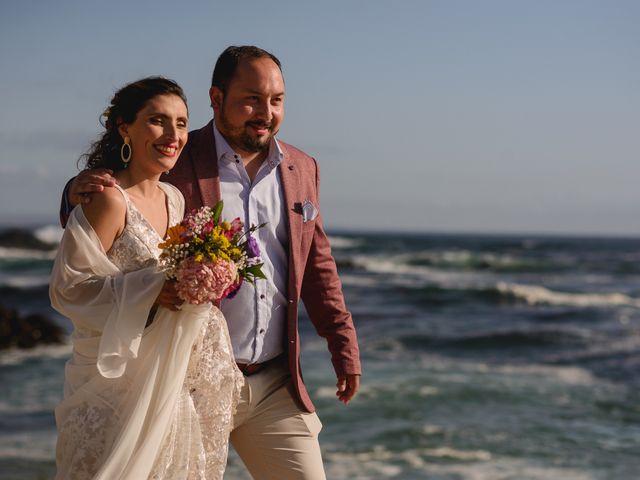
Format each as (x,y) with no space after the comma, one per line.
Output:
(259,92)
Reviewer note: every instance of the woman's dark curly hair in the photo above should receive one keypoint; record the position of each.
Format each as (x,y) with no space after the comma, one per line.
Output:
(125,105)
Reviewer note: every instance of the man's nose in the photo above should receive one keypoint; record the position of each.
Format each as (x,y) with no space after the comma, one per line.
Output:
(264,111)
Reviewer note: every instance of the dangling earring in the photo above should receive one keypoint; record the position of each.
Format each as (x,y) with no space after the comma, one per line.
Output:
(126,158)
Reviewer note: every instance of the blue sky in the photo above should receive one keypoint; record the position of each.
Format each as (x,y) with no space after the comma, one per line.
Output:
(480,116)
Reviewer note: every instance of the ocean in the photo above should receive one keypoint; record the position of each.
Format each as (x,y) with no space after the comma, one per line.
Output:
(484,357)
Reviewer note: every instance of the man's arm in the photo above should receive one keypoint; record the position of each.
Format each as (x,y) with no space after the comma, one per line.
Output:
(79,189)
(324,302)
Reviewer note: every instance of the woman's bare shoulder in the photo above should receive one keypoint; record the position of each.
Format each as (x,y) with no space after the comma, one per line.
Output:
(109,202)
(106,212)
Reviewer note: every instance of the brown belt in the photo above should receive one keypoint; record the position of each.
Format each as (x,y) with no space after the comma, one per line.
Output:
(251,368)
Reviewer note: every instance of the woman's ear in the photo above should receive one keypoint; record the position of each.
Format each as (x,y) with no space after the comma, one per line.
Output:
(123,129)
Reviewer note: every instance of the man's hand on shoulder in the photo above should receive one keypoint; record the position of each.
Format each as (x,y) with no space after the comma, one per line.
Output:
(348,386)
(88,182)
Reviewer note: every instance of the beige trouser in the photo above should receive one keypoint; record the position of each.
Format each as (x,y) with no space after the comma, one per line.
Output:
(275,439)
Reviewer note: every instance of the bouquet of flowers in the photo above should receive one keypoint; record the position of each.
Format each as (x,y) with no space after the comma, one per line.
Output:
(210,258)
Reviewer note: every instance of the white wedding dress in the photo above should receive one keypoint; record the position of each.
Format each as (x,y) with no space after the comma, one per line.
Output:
(141,401)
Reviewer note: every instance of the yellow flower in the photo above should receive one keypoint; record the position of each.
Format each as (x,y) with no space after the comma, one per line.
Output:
(173,236)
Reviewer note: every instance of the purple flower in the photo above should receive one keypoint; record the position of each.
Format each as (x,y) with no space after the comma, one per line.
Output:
(252,247)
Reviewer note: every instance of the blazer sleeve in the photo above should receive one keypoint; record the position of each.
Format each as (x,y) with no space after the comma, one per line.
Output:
(65,207)
(324,301)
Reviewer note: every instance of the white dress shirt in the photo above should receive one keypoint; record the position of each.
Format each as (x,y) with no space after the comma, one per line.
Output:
(257,316)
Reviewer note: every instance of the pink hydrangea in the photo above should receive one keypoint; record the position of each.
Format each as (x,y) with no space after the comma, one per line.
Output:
(203,282)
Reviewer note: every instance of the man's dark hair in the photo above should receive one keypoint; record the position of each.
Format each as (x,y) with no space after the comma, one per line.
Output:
(229,60)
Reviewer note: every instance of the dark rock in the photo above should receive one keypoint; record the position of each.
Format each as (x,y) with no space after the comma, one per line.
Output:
(28,331)
(18,238)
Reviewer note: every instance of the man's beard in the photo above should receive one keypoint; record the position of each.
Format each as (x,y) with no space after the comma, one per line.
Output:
(241,137)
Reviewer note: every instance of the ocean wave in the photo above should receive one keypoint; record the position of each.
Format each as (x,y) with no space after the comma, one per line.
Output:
(16,356)
(28,239)
(487,261)
(338,242)
(401,272)
(502,339)
(50,234)
(505,293)
(504,469)
(7,253)
(29,446)
(452,453)
(358,281)
(565,375)
(537,372)
(536,295)
(433,285)
(24,281)
(380,462)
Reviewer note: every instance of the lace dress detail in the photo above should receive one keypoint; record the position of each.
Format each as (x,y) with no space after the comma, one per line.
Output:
(196,442)
(212,389)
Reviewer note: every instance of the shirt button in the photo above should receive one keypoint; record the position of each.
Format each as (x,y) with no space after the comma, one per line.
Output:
(262,330)
(262,296)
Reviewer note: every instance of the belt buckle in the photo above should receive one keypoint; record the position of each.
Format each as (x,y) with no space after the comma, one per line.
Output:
(250,368)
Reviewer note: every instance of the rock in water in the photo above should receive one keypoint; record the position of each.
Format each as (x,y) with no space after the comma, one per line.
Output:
(18,238)
(27,331)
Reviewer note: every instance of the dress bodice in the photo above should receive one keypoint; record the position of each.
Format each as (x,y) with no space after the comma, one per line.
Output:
(137,245)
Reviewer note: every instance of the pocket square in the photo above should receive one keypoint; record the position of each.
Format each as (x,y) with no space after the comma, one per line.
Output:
(309,211)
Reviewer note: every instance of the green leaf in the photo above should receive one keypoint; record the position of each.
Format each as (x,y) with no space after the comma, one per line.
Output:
(256,271)
(217,211)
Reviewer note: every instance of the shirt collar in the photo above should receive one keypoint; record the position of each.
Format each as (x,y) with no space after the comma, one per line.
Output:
(227,154)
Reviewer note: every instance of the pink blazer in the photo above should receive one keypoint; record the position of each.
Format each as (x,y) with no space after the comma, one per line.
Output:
(313,276)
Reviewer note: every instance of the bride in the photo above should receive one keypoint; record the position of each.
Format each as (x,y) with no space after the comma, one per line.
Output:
(151,388)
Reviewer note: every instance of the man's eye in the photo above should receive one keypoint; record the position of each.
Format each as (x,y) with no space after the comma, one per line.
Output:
(156,121)
(182,124)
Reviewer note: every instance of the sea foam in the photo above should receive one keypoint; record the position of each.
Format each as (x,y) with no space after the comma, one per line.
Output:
(535,294)
(49,234)
(344,242)
(25,254)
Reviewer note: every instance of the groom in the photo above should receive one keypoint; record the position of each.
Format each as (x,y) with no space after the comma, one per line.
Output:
(237,158)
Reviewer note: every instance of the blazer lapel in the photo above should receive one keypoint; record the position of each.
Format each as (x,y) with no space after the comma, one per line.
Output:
(205,164)
(290,176)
